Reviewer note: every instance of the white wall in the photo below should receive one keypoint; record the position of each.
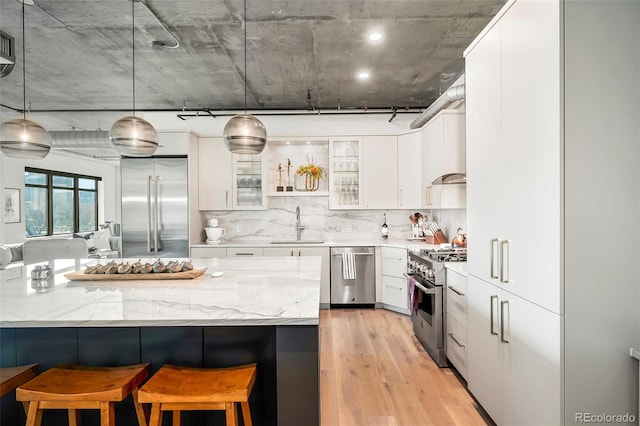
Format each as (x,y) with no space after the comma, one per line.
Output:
(602,181)
(12,176)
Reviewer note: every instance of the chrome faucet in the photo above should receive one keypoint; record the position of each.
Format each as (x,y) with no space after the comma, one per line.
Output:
(299,226)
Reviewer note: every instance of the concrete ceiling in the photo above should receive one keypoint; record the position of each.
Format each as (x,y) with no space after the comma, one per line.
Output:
(301,54)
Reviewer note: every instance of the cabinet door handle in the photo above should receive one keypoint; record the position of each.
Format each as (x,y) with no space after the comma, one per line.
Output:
(429,195)
(291,253)
(504,266)
(503,339)
(492,316)
(299,253)
(226,198)
(492,257)
(456,340)
(456,291)
(244,254)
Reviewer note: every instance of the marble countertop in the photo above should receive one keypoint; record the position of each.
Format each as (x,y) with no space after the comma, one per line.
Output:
(410,245)
(259,291)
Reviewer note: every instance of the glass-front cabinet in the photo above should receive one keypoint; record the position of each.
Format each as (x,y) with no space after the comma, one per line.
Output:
(248,173)
(345,177)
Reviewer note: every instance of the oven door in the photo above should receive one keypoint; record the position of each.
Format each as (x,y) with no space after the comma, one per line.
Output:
(427,315)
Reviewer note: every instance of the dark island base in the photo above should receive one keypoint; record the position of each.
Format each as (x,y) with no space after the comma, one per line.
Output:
(286,391)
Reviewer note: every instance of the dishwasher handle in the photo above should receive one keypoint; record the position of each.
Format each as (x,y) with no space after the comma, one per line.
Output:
(355,254)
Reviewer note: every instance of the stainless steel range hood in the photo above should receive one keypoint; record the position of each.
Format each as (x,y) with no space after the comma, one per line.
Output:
(450,179)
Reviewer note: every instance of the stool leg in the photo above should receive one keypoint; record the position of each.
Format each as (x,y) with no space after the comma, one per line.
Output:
(231,413)
(141,410)
(177,421)
(25,405)
(34,416)
(107,414)
(156,415)
(74,417)
(246,414)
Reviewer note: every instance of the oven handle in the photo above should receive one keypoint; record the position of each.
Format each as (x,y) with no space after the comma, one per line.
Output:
(426,290)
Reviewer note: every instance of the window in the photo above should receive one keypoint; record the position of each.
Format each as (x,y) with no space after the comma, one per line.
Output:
(59,202)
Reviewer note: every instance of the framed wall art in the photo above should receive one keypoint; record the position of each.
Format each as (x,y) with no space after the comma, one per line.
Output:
(11,205)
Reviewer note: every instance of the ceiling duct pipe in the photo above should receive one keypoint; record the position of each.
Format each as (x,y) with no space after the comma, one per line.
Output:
(452,94)
(81,139)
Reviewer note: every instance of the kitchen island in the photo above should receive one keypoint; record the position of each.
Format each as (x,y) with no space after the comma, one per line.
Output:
(263,310)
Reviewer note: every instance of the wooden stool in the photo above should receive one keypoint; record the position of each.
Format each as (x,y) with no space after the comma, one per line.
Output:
(75,387)
(12,377)
(176,389)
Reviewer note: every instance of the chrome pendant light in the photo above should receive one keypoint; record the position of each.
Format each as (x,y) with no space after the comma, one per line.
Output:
(244,133)
(19,137)
(133,136)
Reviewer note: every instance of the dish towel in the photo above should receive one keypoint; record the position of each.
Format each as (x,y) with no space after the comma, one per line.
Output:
(348,265)
(413,297)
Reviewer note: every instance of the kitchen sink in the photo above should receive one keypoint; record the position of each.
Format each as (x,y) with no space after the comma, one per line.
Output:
(295,242)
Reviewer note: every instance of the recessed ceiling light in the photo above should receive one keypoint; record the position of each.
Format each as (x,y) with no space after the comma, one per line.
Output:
(375,36)
(363,75)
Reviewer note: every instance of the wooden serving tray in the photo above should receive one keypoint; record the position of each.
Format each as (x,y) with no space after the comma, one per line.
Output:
(184,275)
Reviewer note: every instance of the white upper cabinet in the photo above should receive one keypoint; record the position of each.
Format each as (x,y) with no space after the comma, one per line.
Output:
(215,185)
(345,173)
(249,181)
(229,181)
(443,151)
(380,172)
(514,151)
(173,143)
(410,171)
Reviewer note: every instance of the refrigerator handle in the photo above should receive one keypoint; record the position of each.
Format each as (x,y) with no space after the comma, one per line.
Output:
(155,235)
(149,214)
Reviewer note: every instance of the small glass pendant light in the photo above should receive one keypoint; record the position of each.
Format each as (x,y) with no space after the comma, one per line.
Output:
(19,137)
(133,136)
(244,133)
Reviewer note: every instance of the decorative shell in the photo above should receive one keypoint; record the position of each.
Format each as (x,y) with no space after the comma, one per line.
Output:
(125,268)
(102,269)
(159,267)
(174,266)
(91,269)
(147,268)
(112,269)
(187,265)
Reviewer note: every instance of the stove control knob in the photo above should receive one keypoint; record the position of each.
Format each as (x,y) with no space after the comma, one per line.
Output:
(431,273)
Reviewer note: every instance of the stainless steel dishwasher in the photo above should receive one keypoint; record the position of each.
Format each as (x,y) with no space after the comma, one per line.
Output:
(353,276)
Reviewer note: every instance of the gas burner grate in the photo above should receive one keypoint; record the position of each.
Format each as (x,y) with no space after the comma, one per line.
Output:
(445,255)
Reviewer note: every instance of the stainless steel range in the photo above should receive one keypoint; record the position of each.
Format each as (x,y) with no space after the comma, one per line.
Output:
(426,279)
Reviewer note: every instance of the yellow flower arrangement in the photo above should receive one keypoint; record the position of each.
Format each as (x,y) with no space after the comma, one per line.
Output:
(311,169)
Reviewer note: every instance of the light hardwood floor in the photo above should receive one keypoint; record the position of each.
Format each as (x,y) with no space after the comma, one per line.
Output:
(373,372)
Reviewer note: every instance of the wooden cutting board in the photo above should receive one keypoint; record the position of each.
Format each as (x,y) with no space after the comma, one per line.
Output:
(185,275)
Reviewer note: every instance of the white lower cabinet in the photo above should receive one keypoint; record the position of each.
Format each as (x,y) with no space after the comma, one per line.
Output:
(393,265)
(456,309)
(325,271)
(514,364)
(208,252)
(244,251)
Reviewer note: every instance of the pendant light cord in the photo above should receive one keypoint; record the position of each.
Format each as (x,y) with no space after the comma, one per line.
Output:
(245,56)
(133,54)
(24,73)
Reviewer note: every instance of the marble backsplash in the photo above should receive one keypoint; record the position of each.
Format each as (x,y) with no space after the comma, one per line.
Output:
(278,222)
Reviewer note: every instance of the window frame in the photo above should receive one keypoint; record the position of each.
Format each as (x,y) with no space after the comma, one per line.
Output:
(49,186)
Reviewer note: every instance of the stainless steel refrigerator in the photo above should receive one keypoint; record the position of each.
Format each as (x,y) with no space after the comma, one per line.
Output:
(155,208)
